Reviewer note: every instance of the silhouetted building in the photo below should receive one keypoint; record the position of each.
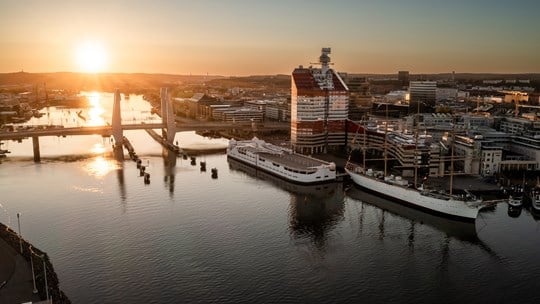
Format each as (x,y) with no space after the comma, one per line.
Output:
(403,76)
(390,110)
(360,98)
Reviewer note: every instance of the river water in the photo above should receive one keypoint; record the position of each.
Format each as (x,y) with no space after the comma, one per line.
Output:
(245,237)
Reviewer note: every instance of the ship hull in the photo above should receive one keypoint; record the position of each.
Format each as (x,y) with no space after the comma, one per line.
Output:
(282,162)
(455,209)
(280,174)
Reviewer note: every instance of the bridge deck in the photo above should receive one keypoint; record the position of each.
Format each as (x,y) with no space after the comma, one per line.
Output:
(107,130)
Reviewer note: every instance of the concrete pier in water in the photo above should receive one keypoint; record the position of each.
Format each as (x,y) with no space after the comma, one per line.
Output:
(35,144)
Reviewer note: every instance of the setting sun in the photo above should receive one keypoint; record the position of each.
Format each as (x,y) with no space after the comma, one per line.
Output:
(91,57)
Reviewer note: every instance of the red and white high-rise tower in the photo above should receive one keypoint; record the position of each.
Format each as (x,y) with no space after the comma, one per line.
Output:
(319,108)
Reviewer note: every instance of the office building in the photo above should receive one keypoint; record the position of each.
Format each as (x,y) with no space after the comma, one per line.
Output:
(422,96)
(403,76)
(319,108)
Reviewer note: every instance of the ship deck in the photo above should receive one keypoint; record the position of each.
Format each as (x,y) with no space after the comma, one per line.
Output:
(281,156)
(293,161)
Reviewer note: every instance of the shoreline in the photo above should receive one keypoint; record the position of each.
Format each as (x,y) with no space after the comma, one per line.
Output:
(11,239)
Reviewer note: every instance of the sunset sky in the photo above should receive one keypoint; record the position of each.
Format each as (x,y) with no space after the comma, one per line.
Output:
(242,37)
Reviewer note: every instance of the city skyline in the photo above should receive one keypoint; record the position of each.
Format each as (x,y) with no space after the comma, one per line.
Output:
(252,37)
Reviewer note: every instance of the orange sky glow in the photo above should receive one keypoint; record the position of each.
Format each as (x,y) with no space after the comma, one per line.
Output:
(255,37)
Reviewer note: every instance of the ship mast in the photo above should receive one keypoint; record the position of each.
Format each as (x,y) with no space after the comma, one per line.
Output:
(364,147)
(386,142)
(416,144)
(452,158)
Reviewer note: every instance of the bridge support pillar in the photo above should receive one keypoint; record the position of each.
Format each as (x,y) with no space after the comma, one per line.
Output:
(167,116)
(35,143)
(118,153)
(116,123)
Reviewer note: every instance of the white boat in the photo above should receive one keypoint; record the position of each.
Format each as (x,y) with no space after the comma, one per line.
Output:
(312,190)
(516,196)
(535,200)
(281,161)
(464,207)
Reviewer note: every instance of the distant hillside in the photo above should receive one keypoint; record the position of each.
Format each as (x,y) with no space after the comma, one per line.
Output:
(140,82)
(458,76)
(270,81)
(104,82)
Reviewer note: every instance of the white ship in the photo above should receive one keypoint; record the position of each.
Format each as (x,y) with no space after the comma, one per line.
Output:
(281,161)
(464,207)
(516,196)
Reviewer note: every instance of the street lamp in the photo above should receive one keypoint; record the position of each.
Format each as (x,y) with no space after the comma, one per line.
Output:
(19,222)
(33,274)
(45,275)
(44,271)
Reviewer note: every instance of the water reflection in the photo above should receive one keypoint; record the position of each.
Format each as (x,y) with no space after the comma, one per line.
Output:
(122,188)
(96,111)
(169,164)
(98,148)
(462,230)
(100,166)
(314,209)
(514,211)
(118,154)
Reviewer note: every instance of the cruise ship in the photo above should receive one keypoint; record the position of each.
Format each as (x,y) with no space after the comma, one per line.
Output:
(281,161)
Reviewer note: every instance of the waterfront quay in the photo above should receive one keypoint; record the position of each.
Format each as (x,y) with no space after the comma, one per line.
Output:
(26,273)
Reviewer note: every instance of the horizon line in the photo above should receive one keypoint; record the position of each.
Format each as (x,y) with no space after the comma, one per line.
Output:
(278,74)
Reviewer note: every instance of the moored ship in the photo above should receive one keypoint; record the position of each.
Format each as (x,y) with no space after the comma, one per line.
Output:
(515,198)
(281,161)
(463,207)
(535,201)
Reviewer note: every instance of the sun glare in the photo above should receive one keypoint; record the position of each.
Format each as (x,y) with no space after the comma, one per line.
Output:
(91,57)
(99,166)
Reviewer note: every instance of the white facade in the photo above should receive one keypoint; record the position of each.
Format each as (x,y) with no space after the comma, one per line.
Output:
(319,107)
(423,91)
(446,94)
(491,161)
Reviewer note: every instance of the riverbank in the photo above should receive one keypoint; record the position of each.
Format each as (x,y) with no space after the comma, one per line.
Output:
(16,271)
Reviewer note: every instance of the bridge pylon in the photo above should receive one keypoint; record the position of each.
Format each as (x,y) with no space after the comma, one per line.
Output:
(167,116)
(117,131)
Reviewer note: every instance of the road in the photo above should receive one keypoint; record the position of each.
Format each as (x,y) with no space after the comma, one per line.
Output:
(15,271)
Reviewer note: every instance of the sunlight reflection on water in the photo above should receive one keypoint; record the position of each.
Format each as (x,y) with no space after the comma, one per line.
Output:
(100,167)
(96,111)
